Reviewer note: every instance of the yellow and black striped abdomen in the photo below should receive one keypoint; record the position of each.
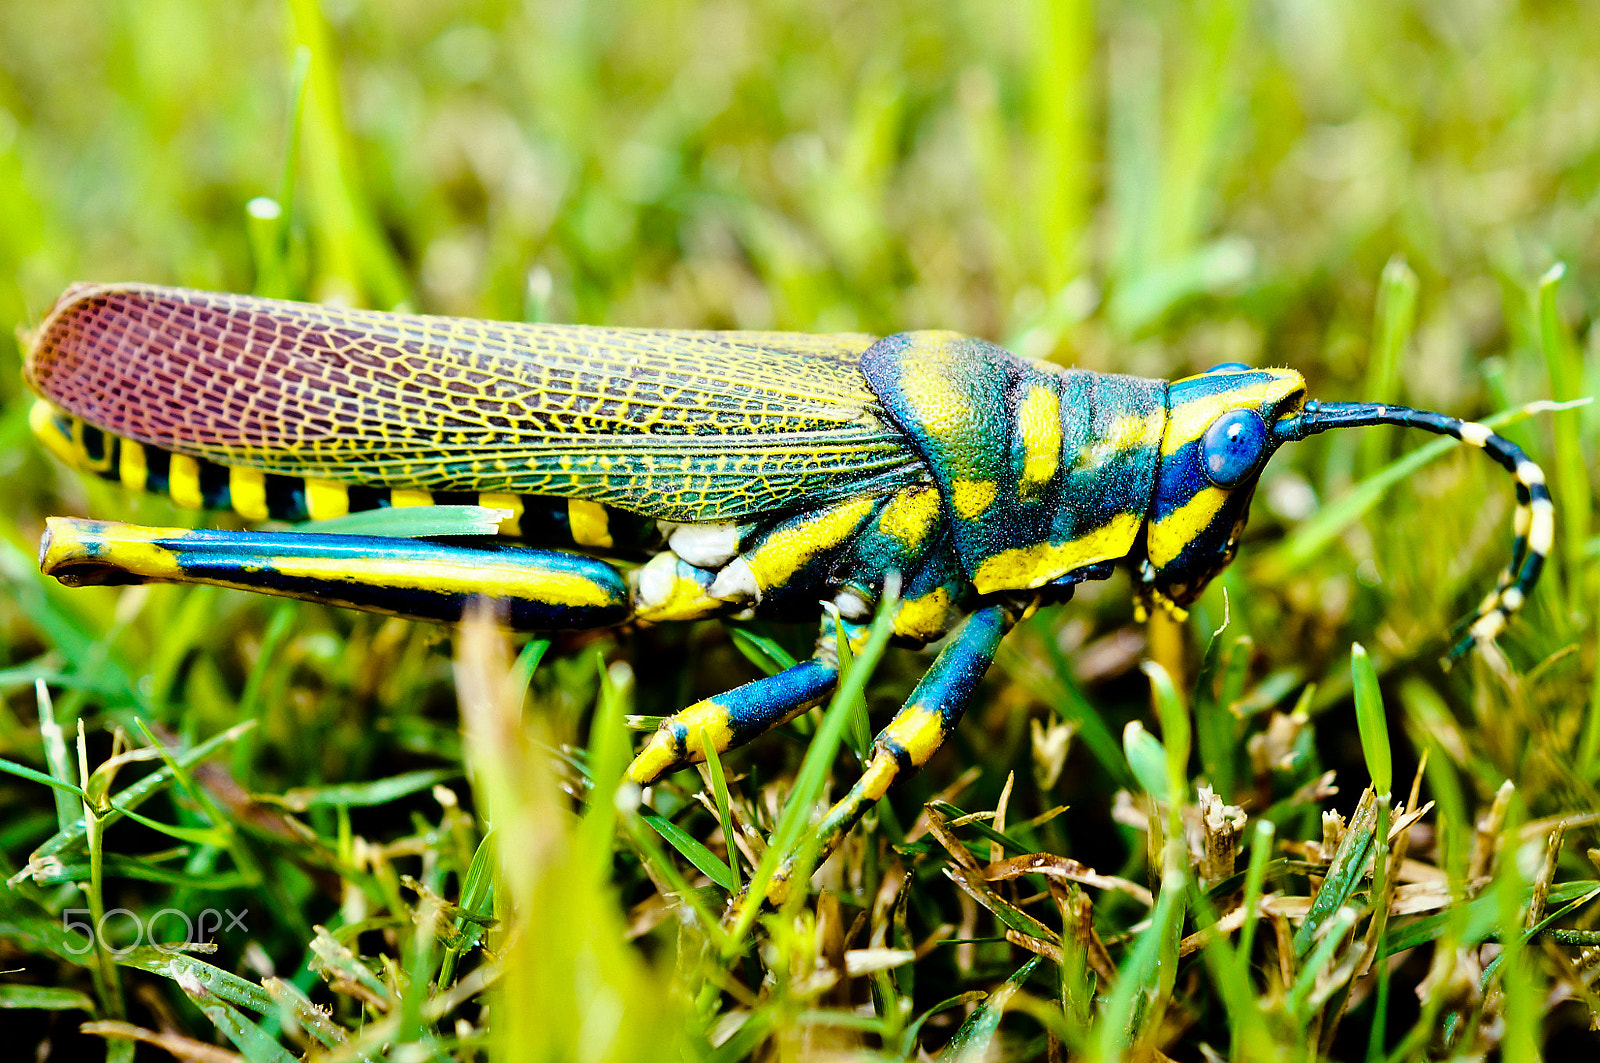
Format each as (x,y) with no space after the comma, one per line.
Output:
(196,483)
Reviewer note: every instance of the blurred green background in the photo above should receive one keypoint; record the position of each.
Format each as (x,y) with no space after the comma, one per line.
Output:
(1229,178)
(1141,186)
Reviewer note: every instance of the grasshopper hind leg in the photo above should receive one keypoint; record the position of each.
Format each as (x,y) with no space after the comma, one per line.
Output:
(543,590)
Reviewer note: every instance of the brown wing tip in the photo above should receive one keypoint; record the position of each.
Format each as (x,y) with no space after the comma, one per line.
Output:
(28,338)
(36,341)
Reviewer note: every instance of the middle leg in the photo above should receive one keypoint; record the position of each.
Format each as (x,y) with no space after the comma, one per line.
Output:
(731,719)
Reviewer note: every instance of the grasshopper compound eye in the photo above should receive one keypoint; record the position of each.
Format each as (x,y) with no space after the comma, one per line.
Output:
(1233,447)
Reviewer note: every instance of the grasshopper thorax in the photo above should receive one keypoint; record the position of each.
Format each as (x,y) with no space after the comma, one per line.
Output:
(1219,435)
(1045,474)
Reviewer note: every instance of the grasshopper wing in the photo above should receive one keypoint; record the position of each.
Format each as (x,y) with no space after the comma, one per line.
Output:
(677,425)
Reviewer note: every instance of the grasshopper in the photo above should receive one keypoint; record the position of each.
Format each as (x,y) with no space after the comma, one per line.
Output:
(648,476)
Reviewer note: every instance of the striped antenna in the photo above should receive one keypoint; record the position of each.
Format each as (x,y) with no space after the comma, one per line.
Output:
(1535,517)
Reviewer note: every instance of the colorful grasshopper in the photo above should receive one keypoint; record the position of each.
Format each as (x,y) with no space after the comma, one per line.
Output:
(751,474)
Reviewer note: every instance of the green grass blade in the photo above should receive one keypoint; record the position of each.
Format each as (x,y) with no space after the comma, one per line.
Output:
(135,794)
(1255,877)
(1345,872)
(1216,687)
(1395,317)
(68,810)
(761,650)
(477,890)
(786,843)
(1564,364)
(1371,721)
(366,794)
(43,998)
(1147,758)
(1313,536)
(351,248)
(975,1039)
(857,732)
(412,522)
(1480,918)
(691,849)
(719,795)
(1059,128)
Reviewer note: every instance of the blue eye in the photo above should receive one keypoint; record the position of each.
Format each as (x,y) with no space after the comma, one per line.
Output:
(1227,367)
(1232,447)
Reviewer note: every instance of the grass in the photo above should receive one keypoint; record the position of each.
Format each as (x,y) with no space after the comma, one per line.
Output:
(391,841)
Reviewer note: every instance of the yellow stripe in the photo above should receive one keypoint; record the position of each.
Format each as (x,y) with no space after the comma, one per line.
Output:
(787,549)
(1189,420)
(1039,425)
(511,525)
(704,721)
(971,497)
(326,499)
(42,419)
(509,581)
(909,514)
(1027,567)
(1169,535)
(247,490)
(942,410)
(589,523)
(1130,433)
(121,546)
(874,782)
(709,719)
(132,467)
(925,618)
(919,731)
(399,497)
(183,481)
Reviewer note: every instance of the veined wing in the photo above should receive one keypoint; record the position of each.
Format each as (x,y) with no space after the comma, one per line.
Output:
(680,425)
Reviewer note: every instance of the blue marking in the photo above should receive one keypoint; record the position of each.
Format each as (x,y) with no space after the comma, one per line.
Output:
(948,685)
(1180,479)
(757,707)
(1209,385)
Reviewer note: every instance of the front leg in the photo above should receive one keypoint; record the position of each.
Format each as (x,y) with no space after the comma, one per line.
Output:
(918,730)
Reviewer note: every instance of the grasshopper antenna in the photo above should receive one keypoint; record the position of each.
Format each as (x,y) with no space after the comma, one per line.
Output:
(1534,523)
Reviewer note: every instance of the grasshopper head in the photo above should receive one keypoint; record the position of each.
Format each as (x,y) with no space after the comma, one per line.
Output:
(1219,435)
